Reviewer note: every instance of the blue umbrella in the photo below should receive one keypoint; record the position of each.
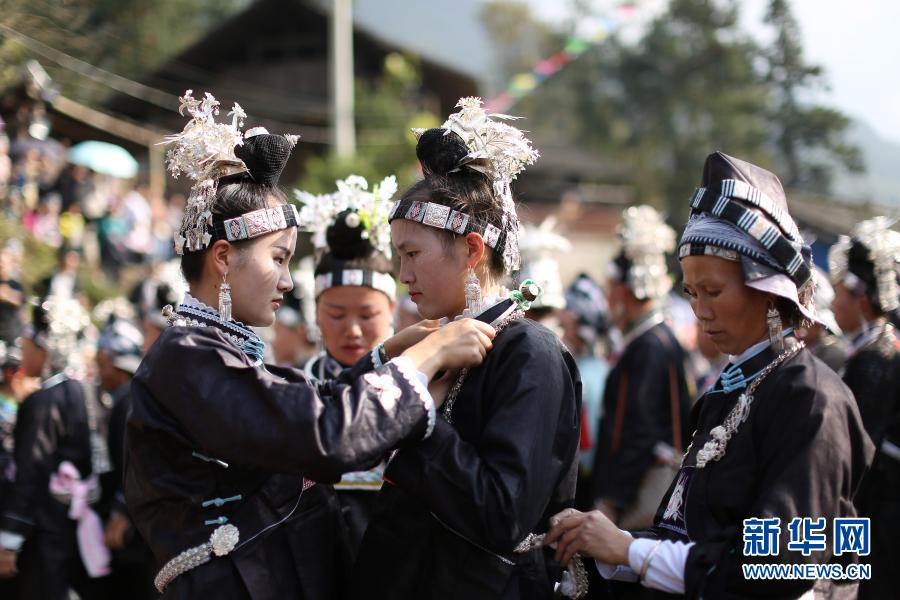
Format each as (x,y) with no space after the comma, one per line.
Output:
(105,158)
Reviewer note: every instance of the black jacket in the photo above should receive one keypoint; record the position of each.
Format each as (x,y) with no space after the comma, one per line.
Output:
(801,452)
(51,427)
(873,374)
(209,426)
(454,506)
(645,401)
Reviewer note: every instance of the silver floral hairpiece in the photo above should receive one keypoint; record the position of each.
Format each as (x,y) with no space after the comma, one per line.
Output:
(372,209)
(498,150)
(645,239)
(883,244)
(204,152)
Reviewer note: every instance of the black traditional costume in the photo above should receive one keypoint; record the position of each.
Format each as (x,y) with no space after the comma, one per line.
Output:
(455,509)
(222,452)
(778,436)
(133,564)
(47,515)
(646,399)
(867,263)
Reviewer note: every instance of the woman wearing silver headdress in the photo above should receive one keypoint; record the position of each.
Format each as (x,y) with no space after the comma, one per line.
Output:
(354,293)
(777,439)
(49,531)
(223,452)
(454,517)
(646,398)
(865,267)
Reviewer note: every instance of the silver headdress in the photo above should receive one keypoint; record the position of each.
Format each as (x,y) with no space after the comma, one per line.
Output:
(540,247)
(883,246)
(498,150)
(646,238)
(371,210)
(65,322)
(350,227)
(203,151)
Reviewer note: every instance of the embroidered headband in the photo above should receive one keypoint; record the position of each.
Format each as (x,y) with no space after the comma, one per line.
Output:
(256,223)
(443,217)
(383,282)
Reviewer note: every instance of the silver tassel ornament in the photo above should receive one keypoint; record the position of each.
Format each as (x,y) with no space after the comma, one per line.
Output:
(773,322)
(225,300)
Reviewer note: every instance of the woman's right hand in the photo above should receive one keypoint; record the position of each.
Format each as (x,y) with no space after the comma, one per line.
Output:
(457,345)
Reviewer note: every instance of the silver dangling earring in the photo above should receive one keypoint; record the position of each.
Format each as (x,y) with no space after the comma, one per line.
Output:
(773,322)
(472,290)
(225,299)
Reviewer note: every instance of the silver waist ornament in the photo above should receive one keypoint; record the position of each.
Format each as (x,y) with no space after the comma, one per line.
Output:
(222,541)
(574,582)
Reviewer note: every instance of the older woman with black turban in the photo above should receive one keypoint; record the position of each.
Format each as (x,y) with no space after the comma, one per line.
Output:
(776,439)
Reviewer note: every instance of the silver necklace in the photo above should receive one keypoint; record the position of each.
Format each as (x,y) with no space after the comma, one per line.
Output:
(447,408)
(714,449)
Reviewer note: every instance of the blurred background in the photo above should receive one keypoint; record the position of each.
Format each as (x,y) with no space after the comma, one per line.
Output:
(623,99)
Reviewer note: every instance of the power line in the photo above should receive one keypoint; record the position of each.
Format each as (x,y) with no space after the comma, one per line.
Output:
(117,82)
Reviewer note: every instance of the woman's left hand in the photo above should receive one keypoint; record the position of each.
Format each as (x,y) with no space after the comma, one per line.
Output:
(589,534)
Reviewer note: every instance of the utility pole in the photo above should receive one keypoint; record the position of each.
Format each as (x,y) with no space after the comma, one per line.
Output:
(341,69)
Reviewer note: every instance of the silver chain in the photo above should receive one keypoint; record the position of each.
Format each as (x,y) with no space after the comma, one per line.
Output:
(714,448)
(447,408)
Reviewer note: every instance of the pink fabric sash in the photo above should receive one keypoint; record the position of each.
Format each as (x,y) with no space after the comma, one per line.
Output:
(94,553)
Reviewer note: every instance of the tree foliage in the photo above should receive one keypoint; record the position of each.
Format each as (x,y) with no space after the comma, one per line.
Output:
(695,82)
(126,37)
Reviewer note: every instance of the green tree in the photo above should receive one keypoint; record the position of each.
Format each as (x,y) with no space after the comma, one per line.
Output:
(808,138)
(520,38)
(126,37)
(688,88)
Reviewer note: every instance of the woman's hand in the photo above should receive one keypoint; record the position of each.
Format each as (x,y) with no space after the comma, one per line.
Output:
(457,345)
(403,339)
(589,534)
(116,528)
(7,563)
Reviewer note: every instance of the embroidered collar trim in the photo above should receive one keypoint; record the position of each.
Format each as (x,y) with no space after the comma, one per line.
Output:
(195,313)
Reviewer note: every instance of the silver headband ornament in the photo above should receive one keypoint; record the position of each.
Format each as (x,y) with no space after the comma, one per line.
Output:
(501,152)
(204,151)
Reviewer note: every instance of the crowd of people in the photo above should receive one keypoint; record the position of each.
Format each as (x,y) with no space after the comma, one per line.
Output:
(109,221)
(243,427)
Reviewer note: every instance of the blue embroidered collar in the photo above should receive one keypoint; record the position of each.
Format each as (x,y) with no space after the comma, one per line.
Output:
(733,377)
(197,314)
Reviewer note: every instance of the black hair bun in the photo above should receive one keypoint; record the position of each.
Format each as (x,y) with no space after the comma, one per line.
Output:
(344,237)
(265,155)
(440,151)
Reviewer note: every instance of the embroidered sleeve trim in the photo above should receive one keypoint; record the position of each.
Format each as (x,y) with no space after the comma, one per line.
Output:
(404,365)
